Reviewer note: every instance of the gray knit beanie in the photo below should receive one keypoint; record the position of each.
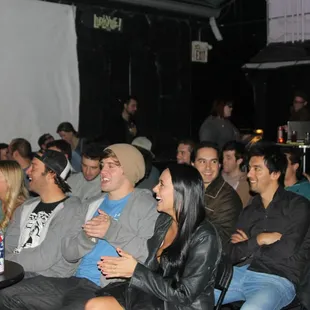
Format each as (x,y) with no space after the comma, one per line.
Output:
(131,161)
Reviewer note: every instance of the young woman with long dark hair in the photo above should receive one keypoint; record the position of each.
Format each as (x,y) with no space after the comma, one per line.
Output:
(183,254)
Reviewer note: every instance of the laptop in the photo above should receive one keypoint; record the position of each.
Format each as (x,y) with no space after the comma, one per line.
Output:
(301,129)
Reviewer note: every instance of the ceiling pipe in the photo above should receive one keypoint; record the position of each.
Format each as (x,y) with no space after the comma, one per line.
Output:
(188,9)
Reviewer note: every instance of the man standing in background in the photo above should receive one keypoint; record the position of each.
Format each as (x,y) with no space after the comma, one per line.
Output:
(123,129)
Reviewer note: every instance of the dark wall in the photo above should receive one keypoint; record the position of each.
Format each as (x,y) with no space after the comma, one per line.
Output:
(275,92)
(244,32)
(151,60)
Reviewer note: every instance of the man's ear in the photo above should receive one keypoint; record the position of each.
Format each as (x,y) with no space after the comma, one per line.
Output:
(239,161)
(15,154)
(275,175)
(51,175)
(296,166)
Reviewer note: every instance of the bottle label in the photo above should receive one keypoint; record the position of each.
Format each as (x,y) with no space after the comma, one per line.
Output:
(1,265)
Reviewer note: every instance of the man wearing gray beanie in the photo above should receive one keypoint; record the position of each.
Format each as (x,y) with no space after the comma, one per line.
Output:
(121,217)
(131,160)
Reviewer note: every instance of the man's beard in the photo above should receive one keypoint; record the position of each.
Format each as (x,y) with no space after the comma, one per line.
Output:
(131,115)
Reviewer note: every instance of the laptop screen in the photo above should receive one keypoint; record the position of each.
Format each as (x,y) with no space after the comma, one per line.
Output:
(301,128)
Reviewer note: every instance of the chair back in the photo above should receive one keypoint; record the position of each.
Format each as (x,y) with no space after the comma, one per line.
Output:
(223,278)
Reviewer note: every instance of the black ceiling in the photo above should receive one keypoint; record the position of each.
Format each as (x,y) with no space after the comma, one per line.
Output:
(194,8)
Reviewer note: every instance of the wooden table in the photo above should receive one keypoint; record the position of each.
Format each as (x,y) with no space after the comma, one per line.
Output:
(13,273)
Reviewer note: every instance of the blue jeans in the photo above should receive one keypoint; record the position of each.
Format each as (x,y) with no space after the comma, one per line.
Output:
(260,291)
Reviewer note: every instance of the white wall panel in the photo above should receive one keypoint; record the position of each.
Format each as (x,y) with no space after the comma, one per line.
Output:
(288,20)
(39,84)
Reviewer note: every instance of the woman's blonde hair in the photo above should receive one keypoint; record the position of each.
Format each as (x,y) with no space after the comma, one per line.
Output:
(16,193)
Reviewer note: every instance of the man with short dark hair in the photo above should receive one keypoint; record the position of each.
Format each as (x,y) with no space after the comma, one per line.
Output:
(33,237)
(184,151)
(222,203)
(271,243)
(20,151)
(86,184)
(123,128)
(233,159)
(294,180)
(4,151)
(65,147)
(122,217)
(61,146)
(44,140)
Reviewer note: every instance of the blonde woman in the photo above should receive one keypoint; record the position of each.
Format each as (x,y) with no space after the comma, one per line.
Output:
(12,190)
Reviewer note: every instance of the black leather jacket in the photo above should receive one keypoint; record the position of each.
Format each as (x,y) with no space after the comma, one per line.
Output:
(223,206)
(194,291)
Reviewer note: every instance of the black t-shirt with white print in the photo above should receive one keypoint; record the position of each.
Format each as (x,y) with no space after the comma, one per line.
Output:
(37,220)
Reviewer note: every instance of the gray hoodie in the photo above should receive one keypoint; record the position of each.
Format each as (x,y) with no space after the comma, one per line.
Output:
(82,188)
(218,130)
(46,258)
(130,233)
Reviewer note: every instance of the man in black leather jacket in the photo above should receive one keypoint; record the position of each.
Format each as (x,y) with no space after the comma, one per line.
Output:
(223,204)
